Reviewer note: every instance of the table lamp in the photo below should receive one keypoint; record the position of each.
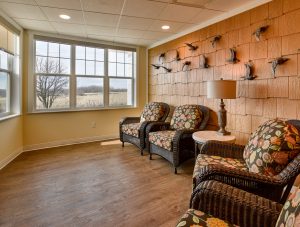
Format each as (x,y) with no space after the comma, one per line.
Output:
(221,89)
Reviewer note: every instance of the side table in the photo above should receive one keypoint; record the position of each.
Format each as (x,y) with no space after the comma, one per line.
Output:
(201,137)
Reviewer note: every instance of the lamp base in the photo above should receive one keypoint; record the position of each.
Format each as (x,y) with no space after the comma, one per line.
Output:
(222,120)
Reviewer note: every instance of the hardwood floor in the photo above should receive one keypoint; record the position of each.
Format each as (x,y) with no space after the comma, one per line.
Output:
(95,184)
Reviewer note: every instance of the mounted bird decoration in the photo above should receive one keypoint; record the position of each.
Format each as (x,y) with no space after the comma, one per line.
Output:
(161,66)
(215,40)
(203,61)
(156,66)
(162,55)
(191,46)
(259,31)
(186,63)
(177,56)
(276,62)
(232,58)
(167,69)
(249,72)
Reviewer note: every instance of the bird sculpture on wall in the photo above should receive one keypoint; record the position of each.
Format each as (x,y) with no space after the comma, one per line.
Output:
(259,31)
(215,40)
(177,56)
(233,58)
(203,61)
(164,67)
(191,46)
(167,69)
(186,63)
(162,55)
(276,62)
(156,66)
(249,72)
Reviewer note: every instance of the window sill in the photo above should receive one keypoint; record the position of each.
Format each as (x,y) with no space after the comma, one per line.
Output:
(81,110)
(9,117)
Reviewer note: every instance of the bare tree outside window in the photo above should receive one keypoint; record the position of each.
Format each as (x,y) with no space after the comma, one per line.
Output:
(50,87)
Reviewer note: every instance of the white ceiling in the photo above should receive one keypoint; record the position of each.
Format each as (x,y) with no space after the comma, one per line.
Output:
(135,22)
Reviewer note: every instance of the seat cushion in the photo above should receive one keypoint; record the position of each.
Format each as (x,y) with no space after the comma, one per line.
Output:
(193,218)
(205,160)
(186,117)
(153,111)
(131,129)
(162,138)
(290,213)
(271,147)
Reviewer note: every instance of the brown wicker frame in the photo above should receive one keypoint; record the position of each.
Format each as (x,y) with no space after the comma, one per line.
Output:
(235,205)
(271,187)
(182,144)
(140,141)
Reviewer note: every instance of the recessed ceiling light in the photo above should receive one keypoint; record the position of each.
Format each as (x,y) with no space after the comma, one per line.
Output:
(165,27)
(65,17)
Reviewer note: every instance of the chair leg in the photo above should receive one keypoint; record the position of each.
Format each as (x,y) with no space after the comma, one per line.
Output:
(175,170)
(142,153)
(150,156)
(122,144)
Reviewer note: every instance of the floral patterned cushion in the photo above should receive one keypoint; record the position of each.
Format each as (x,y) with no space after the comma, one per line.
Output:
(205,160)
(153,111)
(271,147)
(186,117)
(193,218)
(290,213)
(131,129)
(162,138)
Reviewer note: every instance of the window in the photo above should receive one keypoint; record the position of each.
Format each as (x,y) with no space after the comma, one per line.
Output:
(74,76)
(120,71)
(9,74)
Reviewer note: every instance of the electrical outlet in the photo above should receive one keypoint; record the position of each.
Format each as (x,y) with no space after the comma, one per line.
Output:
(93,124)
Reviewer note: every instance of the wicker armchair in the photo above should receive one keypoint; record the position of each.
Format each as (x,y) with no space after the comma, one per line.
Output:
(133,129)
(234,206)
(175,145)
(235,171)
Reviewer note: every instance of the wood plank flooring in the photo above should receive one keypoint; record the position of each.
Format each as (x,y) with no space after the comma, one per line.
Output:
(94,184)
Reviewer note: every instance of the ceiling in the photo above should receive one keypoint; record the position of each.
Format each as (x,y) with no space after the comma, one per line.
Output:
(135,22)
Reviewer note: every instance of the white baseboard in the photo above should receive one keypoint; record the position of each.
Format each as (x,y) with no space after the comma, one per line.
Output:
(58,143)
(10,158)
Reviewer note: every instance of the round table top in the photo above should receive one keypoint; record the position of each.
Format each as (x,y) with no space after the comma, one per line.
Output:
(204,136)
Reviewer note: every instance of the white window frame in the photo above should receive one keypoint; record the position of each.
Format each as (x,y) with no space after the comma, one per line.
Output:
(73,76)
(13,96)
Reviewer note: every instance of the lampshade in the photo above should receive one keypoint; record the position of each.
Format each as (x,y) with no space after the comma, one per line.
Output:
(221,89)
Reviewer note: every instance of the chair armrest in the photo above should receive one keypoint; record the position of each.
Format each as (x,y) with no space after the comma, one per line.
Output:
(157,126)
(235,205)
(223,149)
(268,186)
(128,120)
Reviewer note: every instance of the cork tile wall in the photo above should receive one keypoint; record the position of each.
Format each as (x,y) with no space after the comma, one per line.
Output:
(258,100)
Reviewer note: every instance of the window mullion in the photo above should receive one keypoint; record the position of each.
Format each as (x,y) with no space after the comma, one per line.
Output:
(106,80)
(73,80)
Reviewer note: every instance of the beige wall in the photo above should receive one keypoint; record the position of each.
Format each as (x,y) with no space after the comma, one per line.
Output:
(258,100)
(51,129)
(11,138)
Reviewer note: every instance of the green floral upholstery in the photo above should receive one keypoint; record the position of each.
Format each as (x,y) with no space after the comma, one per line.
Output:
(205,160)
(131,129)
(186,117)
(290,213)
(162,138)
(271,147)
(153,111)
(196,218)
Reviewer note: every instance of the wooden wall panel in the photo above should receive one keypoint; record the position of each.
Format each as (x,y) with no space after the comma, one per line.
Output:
(258,100)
